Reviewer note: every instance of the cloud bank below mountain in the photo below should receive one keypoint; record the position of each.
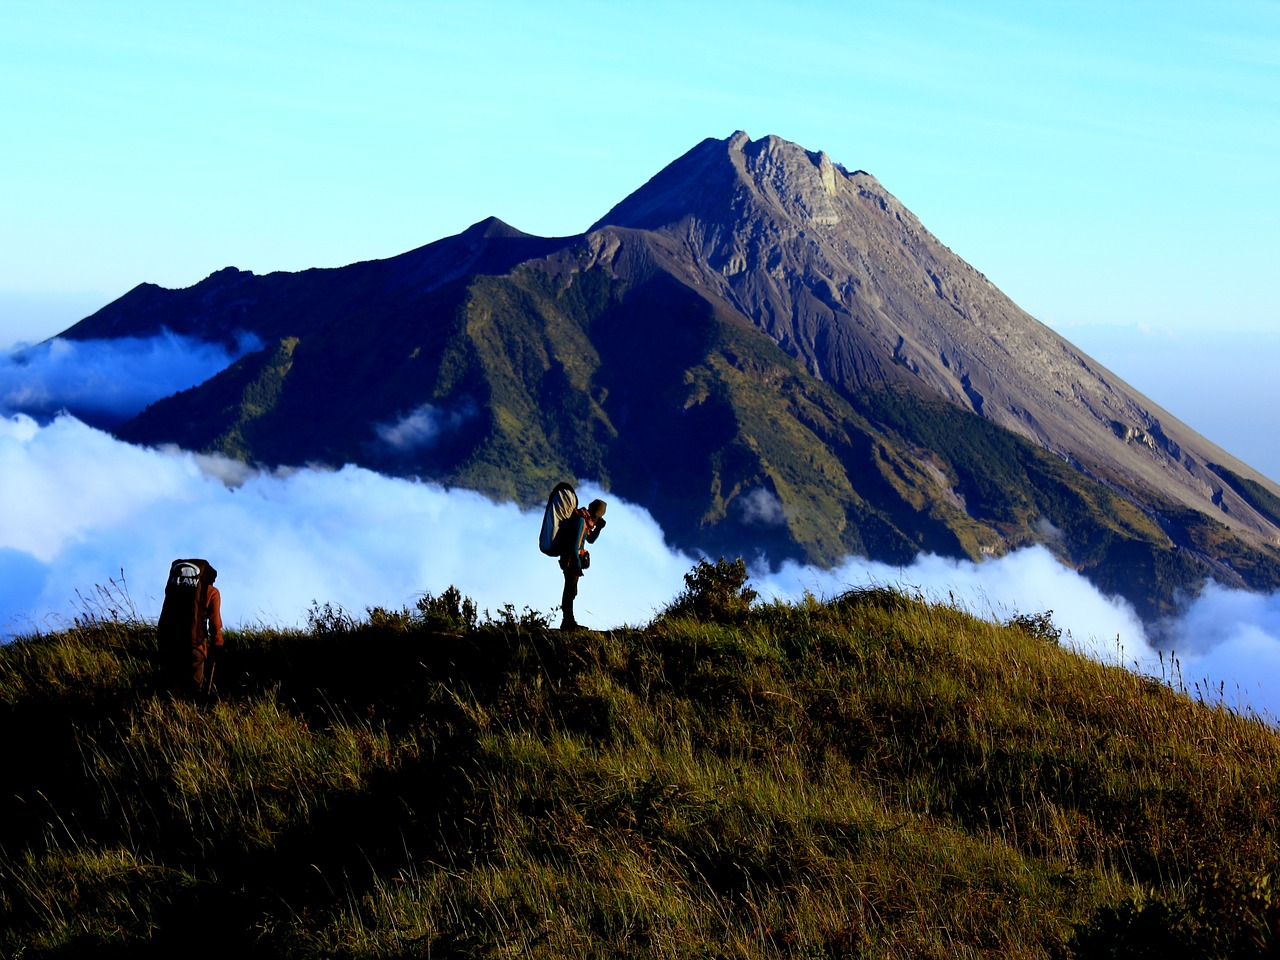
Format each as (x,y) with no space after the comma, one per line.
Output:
(105,382)
(82,508)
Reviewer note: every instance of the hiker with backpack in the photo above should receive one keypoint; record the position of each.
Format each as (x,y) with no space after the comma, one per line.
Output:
(566,529)
(189,633)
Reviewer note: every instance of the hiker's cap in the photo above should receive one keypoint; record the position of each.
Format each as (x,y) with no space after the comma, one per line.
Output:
(596,509)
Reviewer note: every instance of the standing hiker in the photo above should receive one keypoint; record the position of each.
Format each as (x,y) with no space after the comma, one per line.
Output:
(582,527)
(189,633)
(566,528)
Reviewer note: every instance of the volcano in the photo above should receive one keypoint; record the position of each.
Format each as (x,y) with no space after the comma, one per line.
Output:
(763,348)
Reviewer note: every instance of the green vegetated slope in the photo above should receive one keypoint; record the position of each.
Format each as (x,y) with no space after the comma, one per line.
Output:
(562,367)
(1149,554)
(1258,496)
(868,776)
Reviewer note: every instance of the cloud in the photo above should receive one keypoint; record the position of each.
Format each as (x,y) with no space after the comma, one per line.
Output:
(80,508)
(1046,529)
(1026,581)
(105,382)
(423,427)
(762,508)
(1229,641)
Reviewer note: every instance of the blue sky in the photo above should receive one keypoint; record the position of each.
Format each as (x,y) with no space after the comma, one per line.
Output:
(1102,162)
(1109,165)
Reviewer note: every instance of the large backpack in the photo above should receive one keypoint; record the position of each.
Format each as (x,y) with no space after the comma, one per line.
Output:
(560,506)
(182,622)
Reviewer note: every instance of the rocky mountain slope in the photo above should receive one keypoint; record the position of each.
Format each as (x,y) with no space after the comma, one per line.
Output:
(766,350)
(845,278)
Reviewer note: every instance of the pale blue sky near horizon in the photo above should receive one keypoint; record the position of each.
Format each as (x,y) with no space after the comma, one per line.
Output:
(1110,166)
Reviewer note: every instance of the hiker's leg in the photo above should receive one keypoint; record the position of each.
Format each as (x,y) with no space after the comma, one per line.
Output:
(197,667)
(567,620)
(177,667)
(570,541)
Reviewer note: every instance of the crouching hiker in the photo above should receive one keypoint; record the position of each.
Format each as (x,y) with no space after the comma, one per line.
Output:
(189,633)
(566,529)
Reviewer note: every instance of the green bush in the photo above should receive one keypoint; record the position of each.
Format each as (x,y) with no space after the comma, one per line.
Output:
(1037,625)
(1220,915)
(715,592)
(450,611)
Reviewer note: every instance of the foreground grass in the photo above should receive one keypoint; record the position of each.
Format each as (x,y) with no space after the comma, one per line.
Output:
(872,776)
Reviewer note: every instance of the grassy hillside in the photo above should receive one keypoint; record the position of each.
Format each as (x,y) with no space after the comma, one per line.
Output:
(867,776)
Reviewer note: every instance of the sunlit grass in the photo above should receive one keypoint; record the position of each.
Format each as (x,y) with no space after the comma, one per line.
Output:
(869,776)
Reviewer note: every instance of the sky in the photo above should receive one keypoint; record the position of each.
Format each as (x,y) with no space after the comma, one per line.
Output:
(1113,167)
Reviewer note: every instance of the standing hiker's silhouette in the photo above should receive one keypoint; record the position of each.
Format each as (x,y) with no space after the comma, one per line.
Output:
(189,633)
(582,527)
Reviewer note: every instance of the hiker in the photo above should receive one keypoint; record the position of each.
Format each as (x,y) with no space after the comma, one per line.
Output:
(581,527)
(189,632)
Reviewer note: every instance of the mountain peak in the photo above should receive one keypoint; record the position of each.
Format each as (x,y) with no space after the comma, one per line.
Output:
(696,183)
(492,228)
(724,181)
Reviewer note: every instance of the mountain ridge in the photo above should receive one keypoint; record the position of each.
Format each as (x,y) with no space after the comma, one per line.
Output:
(755,334)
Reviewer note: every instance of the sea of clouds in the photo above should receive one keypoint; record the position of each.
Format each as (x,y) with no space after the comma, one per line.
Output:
(80,509)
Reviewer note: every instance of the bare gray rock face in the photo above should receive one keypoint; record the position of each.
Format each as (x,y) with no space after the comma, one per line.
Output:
(845,278)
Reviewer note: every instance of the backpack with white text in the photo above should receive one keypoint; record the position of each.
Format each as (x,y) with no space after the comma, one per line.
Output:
(560,506)
(182,621)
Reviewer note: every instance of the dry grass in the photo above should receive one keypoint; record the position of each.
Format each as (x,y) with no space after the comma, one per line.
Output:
(872,776)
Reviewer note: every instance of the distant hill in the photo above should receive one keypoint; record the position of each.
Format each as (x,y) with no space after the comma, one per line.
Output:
(764,349)
(869,777)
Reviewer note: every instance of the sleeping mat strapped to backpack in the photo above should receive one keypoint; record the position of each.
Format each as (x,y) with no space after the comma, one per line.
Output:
(560,506)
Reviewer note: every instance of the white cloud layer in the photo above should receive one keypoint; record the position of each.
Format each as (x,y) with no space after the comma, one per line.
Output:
(108,381)
(78,507)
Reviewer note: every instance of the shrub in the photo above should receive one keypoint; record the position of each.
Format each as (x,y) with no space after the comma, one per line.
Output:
(328,620)
(1220,914)
(508,619)
(450,612)
(1038,625)
(717,592)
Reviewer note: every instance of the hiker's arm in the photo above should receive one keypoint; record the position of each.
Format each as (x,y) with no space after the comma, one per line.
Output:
(215,616)
(596,531)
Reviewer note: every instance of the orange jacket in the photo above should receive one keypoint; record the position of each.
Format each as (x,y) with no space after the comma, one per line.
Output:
(213,613)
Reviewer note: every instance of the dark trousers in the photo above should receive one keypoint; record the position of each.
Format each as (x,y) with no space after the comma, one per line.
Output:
(569,541)
(186,667)
(571,577)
